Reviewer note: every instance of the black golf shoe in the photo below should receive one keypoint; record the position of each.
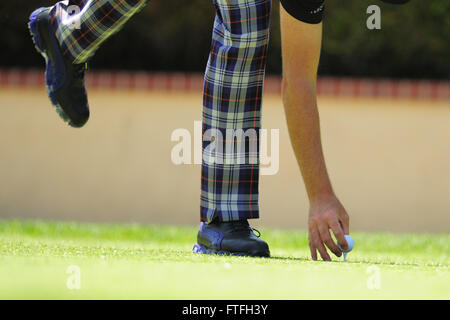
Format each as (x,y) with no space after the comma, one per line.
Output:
(230,238)
(64,80)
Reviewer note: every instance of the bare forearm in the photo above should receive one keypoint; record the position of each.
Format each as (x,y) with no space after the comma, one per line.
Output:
(304,130)
(301,44)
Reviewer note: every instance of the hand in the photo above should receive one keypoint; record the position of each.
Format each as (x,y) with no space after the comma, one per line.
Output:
(325,214)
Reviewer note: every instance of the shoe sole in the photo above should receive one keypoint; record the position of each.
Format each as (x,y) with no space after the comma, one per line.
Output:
(198,248)
(33,27)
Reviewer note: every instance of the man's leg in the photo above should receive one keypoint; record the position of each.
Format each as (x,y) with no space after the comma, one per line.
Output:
(98,20)
(67,35)
(232,100)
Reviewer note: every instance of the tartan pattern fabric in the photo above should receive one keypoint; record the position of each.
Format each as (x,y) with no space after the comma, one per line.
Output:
(99,19)
(232,93)
(232,96)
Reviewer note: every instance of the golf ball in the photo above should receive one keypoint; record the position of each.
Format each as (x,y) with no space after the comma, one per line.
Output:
(350,242)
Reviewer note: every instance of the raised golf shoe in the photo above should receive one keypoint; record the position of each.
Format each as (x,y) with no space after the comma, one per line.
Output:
(64,80)
(230,238)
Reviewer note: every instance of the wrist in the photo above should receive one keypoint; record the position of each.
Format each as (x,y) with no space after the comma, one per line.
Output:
(321,197)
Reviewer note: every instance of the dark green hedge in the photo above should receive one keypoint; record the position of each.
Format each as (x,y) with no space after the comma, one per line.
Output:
(174,35)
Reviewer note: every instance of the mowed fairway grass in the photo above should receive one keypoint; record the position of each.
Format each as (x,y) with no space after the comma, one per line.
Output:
(133,261)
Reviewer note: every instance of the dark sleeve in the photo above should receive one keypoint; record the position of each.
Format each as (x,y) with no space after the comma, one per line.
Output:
(309,11)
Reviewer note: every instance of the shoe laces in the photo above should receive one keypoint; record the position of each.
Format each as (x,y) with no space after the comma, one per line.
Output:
(256,231)
(240,226)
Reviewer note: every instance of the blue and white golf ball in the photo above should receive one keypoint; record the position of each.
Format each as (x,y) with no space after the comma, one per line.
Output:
(350,242)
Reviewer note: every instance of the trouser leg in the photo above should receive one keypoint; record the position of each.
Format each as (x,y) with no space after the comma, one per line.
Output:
(81,26)
(232,96)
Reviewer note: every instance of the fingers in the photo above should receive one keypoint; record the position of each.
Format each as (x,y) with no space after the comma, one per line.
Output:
(339,234)
(312,248)
(318,244)
(345,223)
(326,215)
(326,238)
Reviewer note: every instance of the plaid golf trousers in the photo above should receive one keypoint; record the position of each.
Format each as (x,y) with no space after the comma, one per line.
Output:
(232,93)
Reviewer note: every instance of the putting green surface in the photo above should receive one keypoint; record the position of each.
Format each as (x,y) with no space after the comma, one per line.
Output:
(45,260)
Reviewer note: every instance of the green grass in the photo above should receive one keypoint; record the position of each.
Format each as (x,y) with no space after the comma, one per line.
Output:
(155,262)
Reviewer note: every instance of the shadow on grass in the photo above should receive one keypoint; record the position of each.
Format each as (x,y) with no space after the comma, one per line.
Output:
(381,263)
